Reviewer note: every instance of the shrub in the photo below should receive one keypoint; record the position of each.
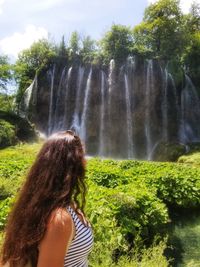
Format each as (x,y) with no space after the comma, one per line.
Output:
(5,207)
(147,257)
(7,134)
(14,163)
(124,216)
(24,131)
(175,184)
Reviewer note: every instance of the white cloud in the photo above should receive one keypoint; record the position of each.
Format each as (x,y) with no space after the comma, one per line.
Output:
(184,4)
(46,4)
(15,43)
(1,4)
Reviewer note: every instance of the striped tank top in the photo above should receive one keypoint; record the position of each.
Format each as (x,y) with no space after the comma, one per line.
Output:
(81,244)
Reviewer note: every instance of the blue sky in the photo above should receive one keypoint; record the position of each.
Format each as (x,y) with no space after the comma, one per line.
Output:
(25,21)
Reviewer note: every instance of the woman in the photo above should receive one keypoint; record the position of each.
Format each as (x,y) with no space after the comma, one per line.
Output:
(46,227)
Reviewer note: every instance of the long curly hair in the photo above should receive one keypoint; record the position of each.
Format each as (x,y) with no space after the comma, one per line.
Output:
(55,180)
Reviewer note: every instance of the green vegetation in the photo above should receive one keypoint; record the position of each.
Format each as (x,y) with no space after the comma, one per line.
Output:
(117,43)
(14,162)
(175,184)
(5,73)
(127,203)
(14,129)
(7,134)
(151,257)
(38,58)
(192,157)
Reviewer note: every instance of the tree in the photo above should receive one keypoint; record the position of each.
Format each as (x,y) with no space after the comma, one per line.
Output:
(62,53)
(62,49)
(194,17)
(161,32)
(74,44)
(117,43)
(5,73)
(30,61)
(88,50)
(191,53)
(6,99)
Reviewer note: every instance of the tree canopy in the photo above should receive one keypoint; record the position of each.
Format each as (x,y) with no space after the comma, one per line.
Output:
(5,73)
(117,43)
(161,33)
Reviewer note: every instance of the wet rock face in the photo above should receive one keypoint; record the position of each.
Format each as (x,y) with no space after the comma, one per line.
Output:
(168,151)
(121,112)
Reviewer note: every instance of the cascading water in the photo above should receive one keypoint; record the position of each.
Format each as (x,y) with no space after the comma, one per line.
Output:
(57,119)
(85,107)
(102,122)
(119,111)
(65,117)
(149,86)
(52,75)
(129,119)
(111,91)
(28,95)
(76,117)
(165,107)
(190,113)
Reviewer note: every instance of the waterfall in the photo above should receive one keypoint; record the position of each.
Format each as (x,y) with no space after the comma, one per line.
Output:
(102,122)
(85,107)
(64,123)
(149,86)
(76,119)
(59,99)
(165,107)
(128,118)
(26,100)
(111,85)
(52,75)
(122,111)
(111,75)
(190,113)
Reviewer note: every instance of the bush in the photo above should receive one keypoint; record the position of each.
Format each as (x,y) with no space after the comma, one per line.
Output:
(147,257)
(24,131)
(124,216)
(175,184)
(5,207)
(14,164)
(7,134)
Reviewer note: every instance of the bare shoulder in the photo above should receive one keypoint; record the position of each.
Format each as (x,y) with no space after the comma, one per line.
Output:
(58,235)
(60,218)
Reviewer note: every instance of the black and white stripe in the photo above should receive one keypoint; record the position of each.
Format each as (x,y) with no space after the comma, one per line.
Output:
(81,244)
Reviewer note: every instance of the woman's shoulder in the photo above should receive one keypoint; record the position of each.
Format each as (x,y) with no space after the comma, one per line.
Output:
(60,218)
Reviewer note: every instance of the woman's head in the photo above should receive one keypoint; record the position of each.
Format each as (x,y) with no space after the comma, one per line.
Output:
(59,167)
(55,180)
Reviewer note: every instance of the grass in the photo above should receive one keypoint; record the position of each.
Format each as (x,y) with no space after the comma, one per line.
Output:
(191,159)
(151,257)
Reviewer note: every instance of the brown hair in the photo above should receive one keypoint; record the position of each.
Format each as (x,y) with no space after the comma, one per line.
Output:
(55,180)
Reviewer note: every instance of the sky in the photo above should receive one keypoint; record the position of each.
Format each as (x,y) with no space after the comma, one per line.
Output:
(25,21)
